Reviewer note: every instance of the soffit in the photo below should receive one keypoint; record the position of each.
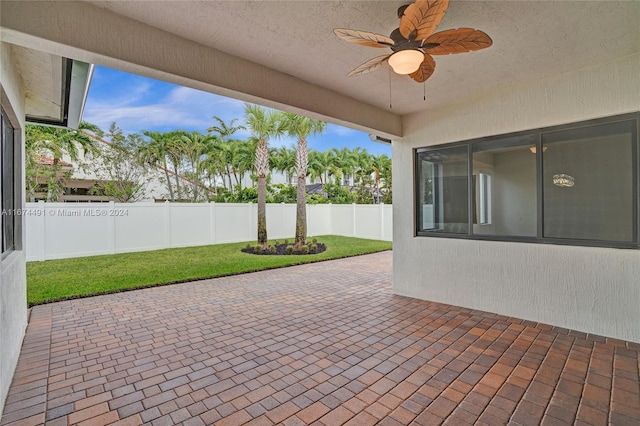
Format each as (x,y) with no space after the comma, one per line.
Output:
(42,79)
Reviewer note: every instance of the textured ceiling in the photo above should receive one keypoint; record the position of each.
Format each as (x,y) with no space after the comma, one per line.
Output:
(532,40)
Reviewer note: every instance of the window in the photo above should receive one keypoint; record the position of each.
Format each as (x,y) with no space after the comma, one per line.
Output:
(11,222)
(510,164)
(573,184)
(588,182)
(444,190)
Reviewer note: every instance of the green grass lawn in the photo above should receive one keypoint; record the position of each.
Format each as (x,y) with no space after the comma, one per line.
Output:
(87,276)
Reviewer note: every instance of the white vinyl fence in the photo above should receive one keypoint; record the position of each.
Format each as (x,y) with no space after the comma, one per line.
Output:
(63,230)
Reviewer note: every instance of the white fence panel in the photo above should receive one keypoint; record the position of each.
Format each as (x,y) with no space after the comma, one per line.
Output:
(63,230)
(319,219)
(71,228)
(143,228)
(281,220)
(342,220)
(387,222)
(234,222)
(368,221)
(189,224)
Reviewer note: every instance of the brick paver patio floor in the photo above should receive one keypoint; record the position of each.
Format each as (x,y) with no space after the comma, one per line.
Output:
(325,343)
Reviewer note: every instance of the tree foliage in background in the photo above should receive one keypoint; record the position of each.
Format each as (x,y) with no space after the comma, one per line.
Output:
(217,166)
(44,142)
(124,174)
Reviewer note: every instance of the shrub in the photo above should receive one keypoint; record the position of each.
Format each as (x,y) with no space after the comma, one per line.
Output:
(289,249)
(258,249)
(272,249)
(286,242)
(304,249)
(314,240)
(314,247)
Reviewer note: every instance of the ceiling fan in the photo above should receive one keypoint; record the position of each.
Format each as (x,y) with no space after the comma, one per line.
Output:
(414,41)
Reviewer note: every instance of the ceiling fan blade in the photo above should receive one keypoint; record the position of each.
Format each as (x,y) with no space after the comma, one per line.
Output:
(427,67)
(421,18)
(363,38)
(370,65)
(457,41)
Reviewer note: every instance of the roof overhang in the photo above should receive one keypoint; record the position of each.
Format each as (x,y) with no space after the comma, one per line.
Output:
(55,87)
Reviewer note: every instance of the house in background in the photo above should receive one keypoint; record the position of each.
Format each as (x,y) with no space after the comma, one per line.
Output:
(480,220)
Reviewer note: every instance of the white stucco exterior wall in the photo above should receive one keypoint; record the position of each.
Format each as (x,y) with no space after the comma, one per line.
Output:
(13,282)
(594,290)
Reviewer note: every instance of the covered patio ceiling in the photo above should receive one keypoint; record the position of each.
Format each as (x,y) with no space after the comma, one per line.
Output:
(284,53)
(532,40)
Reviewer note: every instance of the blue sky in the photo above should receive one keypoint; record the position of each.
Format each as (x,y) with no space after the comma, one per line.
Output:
(138,103)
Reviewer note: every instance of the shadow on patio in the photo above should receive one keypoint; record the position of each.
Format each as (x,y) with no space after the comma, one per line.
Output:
(326,343)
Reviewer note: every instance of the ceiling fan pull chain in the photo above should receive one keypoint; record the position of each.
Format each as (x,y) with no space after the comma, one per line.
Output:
(424,90)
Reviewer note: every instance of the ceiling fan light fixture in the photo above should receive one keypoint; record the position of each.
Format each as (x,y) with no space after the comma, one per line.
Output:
(406,61)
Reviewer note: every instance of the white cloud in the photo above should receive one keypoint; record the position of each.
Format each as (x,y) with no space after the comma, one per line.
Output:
(180,108)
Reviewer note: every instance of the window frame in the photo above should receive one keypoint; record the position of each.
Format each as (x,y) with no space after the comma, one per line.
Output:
(14,211)
(539,238)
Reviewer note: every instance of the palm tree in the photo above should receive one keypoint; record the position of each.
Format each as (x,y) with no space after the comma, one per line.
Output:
(176,153)
(284,160)
(155,151)
(317,166)
(195,146)
(223,129)
(301,127)
(245,157)
(224,152)
(57,142)
(380,165)
(263,124)
(343,163)
(363,164)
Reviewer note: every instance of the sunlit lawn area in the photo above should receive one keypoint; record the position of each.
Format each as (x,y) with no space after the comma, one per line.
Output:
(69,278)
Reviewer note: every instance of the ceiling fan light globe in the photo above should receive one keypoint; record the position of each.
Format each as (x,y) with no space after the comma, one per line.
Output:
(406,61)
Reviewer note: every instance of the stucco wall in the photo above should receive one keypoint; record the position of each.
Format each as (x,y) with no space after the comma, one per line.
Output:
(595,290)
(13,287)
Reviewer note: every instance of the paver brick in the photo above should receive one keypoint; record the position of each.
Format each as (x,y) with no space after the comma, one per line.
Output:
(335,348)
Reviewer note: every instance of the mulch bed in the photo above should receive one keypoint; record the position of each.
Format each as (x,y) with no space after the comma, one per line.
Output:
(281,249)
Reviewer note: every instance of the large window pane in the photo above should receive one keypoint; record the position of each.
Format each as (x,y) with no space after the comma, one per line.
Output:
(443,190)
(588,183)
(504,171)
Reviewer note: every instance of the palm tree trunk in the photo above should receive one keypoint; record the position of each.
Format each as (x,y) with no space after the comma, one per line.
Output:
(262,167)
(166,175)
(302,160)
(229,176)
(301,212)
(262,211)
(175,171)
